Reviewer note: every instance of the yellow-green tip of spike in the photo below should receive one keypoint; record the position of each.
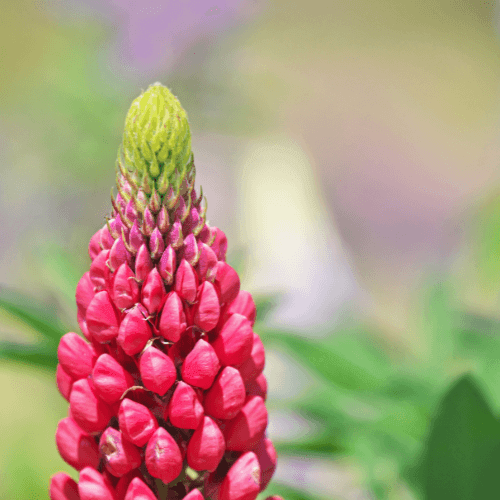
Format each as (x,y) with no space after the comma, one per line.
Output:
(156,146)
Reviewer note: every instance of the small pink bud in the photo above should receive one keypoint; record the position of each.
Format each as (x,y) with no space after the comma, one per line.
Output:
(153,291)
(120,456)
(125,288)
(186,282)
(267,457)
(242,482)
(207,263)
(94,245)
(185,410)
(234,342)
(118,255)
(75,355)
(206,446)
(63,487)
(201,365)
(134,330)
(136,421)
(106,240)
(138,490)
(89,412)
(194,495)
(84,292)
(130,211)
(245,430)
(257,387)
(163,457)
(243,304)
(135,239)
(227,283)
(157,371)
(143,263)
(75,446)
(207,234)
(111,380)
(162,220)
(166,266)
(99,273)
(148,222)
(82,322)
(179,211)
(175,237)
(207,309)
(173,319)
(64,382)
(254,364)
(120,202)
(219,246)
(190,250)
(156,244)
(102,320)
(124,482)
(227,396)
(94,486)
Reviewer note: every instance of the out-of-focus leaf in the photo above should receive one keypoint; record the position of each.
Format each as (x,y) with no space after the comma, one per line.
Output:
(43,355)
(288,492)
(323,443)
(265,304)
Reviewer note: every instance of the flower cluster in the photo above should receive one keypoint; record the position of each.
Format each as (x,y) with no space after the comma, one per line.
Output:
(166,394)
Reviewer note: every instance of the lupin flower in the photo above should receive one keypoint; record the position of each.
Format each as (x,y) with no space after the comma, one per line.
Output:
(166,393)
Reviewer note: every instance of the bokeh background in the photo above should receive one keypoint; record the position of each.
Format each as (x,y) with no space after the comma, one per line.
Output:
(349,149)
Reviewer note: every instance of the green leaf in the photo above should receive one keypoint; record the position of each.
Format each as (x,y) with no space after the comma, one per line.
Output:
(289,493)
(43,355)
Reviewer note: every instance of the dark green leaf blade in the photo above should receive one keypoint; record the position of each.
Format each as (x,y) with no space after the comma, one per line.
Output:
(43,355)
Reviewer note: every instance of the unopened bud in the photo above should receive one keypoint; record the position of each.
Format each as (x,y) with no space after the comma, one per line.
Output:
(163,457)
(137,423)
(102,320)
(134,330)
(111,380)
(227,283)
(125,288)
(207,308)
(201,365)
(227,396)
(157,371)
(94,486)
(206,446)
(234,343)
(75,355)
(153,291)
(120,456)
(173,319)
(186,281)
(242,482)
(63,487)
(138,490)
(185,410)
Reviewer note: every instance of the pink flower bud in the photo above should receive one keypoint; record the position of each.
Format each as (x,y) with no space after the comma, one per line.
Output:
(148,222)
(186,282)
(254,364)
(242,482)
(175,237)
(166,266)
(131,211)
(94,245)
(156,244)
(106,240)
(138,490)
(185,410)
(84,292)
(75,446)
(163,456)
(63,487)
(134,330)
(234,343)
(157,371)
(102,320)
(173,319)
(64,382)
(89,412)
(245,430)
(118,255)
(75,355)
(125,288)
(201,365)
(194,495)
(257,387)
(94,486)
(143,263)
(153,291)
(99,273)
(219,245)
(206,446)
(190,250)
(124,482)
(243,304)
(162,220)
(227,396)
(267,457)
(120,456)
(111,380)
(82,323)
(207,309)
(137,423)
(207,263)
(227,283)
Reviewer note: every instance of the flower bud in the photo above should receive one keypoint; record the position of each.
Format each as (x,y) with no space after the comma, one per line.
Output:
(163,456)
(245,430)
(242,482)
(125,288)
(206,446)
(89,412)
(227,283)
(266,455)
(157,371)
(207,309)
(162,220)
(102,320)
(106,240)
(190,250)
(234,343)
(82,323)
(99,273)
(75,355)
(156,244)
(131,211)
(75,446)
(185,410)
(94,245)
(227,396)
(148,222)
(207,263)
(257,387)
(111,380)
(137,423)
(64,382)
(153,291)
(135,239)
(134,330)
(201,365)
(243,304)
(166,266)
(138,490)
(186,282)
(63,487)
(175,237)
(118,255)
(219,245)
(120,456)
(252,367)
(124,482)
(173,319)
(143,263)
(194,495)
(94,486)
(84,292)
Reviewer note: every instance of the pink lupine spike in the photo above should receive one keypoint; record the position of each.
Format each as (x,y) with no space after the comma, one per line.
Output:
(194,495)
(267,457)
(207,263)
(76,447)
(112,229)
(153,291)
(206,309)
(185,410)
(206,446)
(148,222)
(190,250)
(167,264)
(120,202)
(75,355)
(63,487)
(118,255)
(110,379)
(102,320)
(173,319)
(219,246)
(175,236)
(125,288)
(163,456)
(106,240)
(254,364)
(84,292)
(227,283)
(131,211)
(257,387)
(99,272)
(234,343)
(120,227)
(154,201)
(227,395)
(156,244)
(192,220)
(134,330)
(138,490)
(179,212)
(88,411)
(201,365)
(246,429)
(242,482)
(120,456)
(162,220)
(95,486)
(242,304)
(94,245)
(135,239)
(137,423)
(186,282)
(143,263)
(207,234)
(157,371)
(64,382)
